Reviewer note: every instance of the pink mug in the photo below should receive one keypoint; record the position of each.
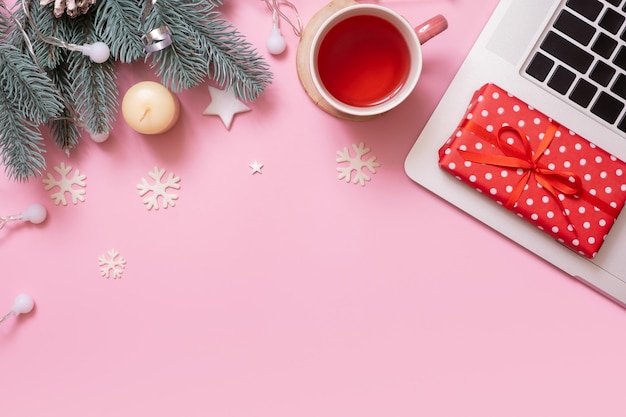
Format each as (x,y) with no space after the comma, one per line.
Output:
(366,59)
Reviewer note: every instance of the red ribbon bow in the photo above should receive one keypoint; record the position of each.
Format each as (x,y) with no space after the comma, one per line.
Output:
(554,182)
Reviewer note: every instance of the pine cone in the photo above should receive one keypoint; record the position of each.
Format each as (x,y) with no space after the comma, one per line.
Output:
(72,8)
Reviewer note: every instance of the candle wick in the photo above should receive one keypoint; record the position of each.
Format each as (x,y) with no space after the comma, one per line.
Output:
(144,114)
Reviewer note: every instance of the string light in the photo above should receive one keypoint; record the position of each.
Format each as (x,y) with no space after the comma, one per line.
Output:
(276,43)
(35,213)
(23,304)
(99,52)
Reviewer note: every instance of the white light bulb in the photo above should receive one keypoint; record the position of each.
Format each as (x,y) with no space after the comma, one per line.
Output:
(23,304)
(98,51)
(99,137)
(276,42)
(35,213)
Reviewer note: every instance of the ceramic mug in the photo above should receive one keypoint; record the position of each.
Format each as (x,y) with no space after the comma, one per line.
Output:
(366,59)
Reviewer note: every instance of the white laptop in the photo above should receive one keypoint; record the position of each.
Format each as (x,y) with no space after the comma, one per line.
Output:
(514,51)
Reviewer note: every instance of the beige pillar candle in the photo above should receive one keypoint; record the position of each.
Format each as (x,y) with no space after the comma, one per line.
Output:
(150,108)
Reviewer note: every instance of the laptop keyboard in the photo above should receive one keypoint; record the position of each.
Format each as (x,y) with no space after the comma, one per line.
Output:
(582,57)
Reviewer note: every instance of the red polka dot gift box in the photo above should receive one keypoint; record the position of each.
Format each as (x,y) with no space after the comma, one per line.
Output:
(530,164)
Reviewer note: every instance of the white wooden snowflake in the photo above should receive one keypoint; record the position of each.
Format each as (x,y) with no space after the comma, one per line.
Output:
(356,164)
(111,264)
(159,189)
(74,185)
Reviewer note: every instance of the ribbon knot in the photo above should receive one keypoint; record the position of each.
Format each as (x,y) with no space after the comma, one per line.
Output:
(558,183)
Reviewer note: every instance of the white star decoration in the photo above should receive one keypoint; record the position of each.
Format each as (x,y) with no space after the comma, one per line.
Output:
(256,167)
(224,104)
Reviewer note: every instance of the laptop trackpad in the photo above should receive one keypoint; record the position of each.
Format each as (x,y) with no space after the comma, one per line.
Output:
(611,256)
(517,28)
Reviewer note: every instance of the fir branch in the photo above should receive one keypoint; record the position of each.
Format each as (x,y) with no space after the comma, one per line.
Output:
(27,99)
(29,90)
(65,131)
(94,86)
(5,26)
(200,36)
(44,23)
(39,23)
(117,22)
(21,143)
(181,66)
(233,62)
(95,92)
(65,128)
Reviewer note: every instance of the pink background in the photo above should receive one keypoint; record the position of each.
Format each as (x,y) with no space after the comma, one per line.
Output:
(291,293)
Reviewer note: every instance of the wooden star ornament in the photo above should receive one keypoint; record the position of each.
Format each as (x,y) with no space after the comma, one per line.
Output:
(225,104)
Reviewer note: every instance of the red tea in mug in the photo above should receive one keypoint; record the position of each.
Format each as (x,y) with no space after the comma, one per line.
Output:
(363,61)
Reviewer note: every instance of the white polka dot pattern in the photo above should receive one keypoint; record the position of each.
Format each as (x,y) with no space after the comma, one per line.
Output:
(580,221)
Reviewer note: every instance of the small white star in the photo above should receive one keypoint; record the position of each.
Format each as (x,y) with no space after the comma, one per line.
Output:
(256,167)
(224,104)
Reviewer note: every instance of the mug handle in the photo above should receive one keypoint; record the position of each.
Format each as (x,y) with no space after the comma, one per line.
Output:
(431,28)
